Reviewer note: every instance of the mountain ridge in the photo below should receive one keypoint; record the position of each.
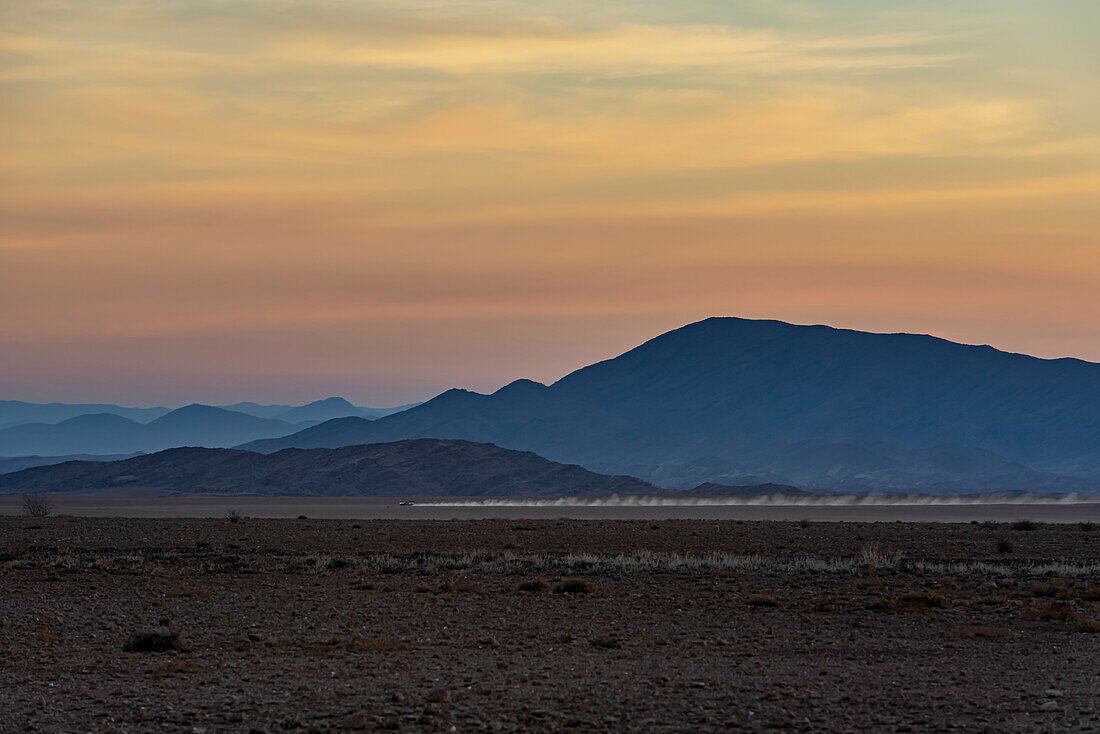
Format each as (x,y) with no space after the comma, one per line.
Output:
(753,391)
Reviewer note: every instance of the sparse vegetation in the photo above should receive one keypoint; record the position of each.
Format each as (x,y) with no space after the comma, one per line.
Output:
(37,505)
(762,600)
(233,516)
(576,586)
(533,585)
(1087,527)
(1088,625)
(1004,545)
(1025,525)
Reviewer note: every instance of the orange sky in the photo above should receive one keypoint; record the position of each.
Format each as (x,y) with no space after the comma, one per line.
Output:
(279,201)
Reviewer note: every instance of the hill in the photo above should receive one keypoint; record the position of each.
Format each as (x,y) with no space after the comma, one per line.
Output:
(813,406)
(418,468)
(17,412)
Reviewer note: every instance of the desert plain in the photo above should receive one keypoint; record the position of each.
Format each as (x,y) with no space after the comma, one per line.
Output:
(317,625)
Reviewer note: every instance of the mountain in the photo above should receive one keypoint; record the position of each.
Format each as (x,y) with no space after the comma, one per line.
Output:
(815,406)
(19,463)
(106,433)
(255,409)
(17,412)
(418,468)
(322,410)
(319,410)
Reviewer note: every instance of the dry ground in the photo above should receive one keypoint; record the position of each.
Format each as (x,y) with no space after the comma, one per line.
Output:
(322,625)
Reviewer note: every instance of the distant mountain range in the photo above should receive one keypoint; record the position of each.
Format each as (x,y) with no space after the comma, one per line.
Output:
(17,412)
(738,401)
(106,433)
(418,468)
(726,401)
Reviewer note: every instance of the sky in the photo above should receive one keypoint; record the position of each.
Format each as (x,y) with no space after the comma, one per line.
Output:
(221,200)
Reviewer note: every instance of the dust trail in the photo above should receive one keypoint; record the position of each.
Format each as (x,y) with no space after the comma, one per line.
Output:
(774,500)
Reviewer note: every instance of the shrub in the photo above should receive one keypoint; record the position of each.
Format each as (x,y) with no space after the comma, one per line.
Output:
(1004,546)
(1087,527)
(762,600)
(1088,625)
(37,505)
(534,585)
(1025,525)
(576,586)
(233,516)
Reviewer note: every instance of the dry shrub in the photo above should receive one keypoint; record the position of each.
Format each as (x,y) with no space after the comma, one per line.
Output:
(1088,527)
(1024,525)
(762,600)
(37,505)
(1049,589)
(465,586)
(982,630)
(533,585)
(1088,625)
(180,589)
(1050,612)
(576,586)
(1004,546)
(915,600)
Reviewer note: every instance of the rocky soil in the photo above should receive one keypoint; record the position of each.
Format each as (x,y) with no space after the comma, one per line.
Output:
(311,625)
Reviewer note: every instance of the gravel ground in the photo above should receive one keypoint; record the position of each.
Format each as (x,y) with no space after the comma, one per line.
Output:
(325,625)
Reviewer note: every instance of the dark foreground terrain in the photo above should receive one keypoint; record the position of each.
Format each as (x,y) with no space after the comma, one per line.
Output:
(547,625)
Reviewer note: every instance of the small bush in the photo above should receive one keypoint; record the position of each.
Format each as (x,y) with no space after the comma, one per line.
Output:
(1024,525)
(762,600)
(1087,527)
(576,586)
(1004,546)
(534,585)
(233,516)
(1088,625)
(37,505)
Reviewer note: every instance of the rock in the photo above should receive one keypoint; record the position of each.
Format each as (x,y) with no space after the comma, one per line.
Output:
(1048,706)
(1053,693)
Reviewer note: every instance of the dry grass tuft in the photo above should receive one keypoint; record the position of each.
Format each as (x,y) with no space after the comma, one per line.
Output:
(576,586)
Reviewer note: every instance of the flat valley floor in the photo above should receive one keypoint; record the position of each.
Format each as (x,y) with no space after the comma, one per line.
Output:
(548,625)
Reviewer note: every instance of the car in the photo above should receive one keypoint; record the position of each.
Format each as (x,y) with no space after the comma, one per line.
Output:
(406,503)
